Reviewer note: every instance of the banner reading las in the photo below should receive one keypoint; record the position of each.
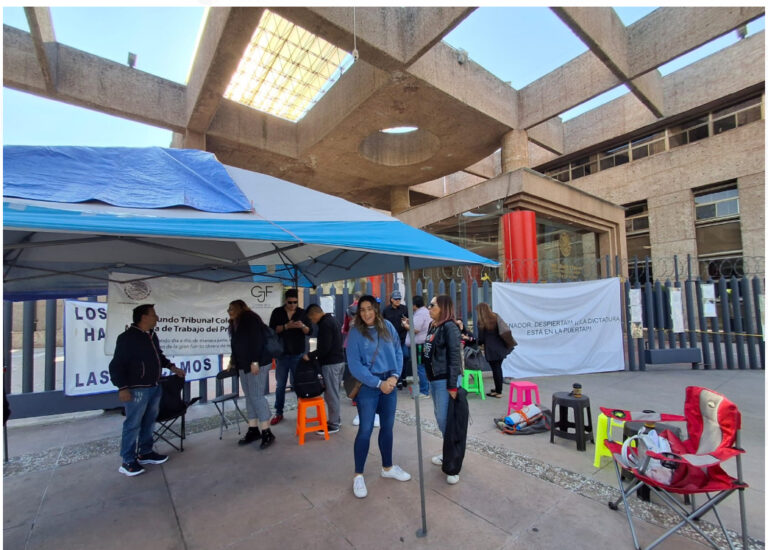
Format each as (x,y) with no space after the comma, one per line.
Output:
(86,366)
(562,328)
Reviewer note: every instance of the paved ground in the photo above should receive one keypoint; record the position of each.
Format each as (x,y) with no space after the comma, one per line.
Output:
(62,490)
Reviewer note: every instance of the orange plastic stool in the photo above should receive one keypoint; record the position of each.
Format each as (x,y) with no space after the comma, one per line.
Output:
(520,395)
(306,424)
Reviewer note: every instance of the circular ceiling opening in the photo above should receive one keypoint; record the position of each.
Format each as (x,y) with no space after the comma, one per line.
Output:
(400,130)
(401,147)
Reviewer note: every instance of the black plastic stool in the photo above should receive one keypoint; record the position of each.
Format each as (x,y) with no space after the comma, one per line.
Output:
(561,402)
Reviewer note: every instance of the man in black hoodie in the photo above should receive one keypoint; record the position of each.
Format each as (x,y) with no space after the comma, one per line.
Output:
(330,355)
(135,369)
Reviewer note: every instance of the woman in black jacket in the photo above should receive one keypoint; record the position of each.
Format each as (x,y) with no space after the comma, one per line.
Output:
(442,361)
(249,356)
(495,348)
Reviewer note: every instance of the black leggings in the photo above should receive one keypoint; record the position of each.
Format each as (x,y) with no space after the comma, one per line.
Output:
(498,379)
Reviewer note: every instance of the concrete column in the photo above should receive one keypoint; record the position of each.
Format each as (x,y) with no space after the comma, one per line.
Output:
(514,151)
(194,140)
(399,199)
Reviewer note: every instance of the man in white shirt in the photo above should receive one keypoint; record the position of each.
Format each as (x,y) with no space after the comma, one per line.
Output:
(421,322)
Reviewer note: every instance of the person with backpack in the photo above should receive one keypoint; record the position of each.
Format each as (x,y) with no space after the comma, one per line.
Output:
(330,355)
(496,349)
(442,361)
(249,355)
(375,359)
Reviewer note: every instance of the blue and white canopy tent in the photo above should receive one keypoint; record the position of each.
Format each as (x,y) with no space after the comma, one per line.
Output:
(73,215)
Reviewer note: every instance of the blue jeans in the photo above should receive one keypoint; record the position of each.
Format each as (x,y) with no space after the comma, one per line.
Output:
(422,371)
(440,397)
(285,364)
(369,402)
(140,415)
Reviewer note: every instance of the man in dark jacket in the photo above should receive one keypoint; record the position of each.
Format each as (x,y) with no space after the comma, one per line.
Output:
(291,324)
(330,355)
(395,312)
(135,369)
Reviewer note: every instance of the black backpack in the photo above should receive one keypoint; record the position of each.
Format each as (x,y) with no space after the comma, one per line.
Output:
(273,344)
(308,380)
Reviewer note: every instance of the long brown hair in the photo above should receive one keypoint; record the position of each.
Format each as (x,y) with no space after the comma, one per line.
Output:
(486,319)
(445,304)
(378,321)
(241,308)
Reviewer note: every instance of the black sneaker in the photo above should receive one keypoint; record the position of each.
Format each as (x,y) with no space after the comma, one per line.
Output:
(253,434)
(152,458)
(132,469)
(267,438)
(332,429)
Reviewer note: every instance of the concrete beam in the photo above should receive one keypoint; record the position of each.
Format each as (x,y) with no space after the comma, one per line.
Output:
(469,83)
(605,35)
(739,67)
(657,38)
(653,41)
(225,37)
(41,29)
(251,129)
(95,83)
(352,90)
(548,135)
(389,38)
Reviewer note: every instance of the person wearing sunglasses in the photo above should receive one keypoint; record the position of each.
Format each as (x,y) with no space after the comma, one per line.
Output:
(290,322)
(375,358)
(442,361)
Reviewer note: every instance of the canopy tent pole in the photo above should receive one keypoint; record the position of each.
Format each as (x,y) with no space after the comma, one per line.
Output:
(422,531)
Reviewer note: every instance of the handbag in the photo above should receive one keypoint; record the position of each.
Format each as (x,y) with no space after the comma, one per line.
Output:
(506,334)
(352,393)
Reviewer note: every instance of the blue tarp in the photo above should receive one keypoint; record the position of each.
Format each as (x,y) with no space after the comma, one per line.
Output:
(150,177)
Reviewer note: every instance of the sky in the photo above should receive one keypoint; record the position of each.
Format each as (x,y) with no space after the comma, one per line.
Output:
(518,45)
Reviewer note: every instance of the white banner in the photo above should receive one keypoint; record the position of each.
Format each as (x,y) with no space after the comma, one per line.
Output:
(193,314)
(86,366)
(562,328)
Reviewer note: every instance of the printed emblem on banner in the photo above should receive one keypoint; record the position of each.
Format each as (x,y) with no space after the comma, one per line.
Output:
(137,290)
(565,244)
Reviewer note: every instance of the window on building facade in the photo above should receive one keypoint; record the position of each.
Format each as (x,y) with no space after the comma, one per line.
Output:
(614,157)
(638,241)
(718,230)
(648,146)
(583,167)
(689,132)
(736,115)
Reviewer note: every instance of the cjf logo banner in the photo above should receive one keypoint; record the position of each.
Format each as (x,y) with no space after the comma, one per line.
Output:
(86,366)
(562,328)
(192,314)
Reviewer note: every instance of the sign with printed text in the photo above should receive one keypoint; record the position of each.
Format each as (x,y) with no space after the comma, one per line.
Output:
(86,366)
(193,317)
(562,328)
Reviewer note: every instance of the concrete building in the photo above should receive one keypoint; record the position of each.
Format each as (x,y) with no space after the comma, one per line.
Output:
(675,167)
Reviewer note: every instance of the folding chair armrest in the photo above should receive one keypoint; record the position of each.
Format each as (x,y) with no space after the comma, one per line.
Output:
(193,401)
(641,416)
(696,460)
(226,373)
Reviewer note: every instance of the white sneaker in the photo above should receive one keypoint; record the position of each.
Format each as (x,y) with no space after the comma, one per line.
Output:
(356,421)
(437,460)
(452,480)
(376,422)
(358,487)
(396,472)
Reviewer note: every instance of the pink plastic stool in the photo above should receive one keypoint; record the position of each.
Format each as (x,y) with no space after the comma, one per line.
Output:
(520,395)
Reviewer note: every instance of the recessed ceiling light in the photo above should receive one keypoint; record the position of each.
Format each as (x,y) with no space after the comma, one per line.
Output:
(400,129)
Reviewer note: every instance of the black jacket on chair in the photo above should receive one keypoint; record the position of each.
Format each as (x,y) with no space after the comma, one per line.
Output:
(442,353)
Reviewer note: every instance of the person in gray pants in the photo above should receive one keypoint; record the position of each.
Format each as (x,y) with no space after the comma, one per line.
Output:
(330,355)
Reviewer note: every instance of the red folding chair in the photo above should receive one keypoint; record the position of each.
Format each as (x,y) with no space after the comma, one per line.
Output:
(713,424)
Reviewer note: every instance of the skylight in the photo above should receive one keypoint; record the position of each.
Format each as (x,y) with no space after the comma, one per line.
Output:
(286,69)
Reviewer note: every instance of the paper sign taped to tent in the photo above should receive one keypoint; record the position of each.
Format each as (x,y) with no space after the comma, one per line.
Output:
(86,366)
(562,328)
(193,314)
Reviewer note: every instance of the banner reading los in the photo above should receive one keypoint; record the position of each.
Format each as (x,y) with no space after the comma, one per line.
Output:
(86,366)
(192,314)
(562,328)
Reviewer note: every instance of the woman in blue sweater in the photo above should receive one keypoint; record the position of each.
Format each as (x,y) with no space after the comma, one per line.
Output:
(375,358)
